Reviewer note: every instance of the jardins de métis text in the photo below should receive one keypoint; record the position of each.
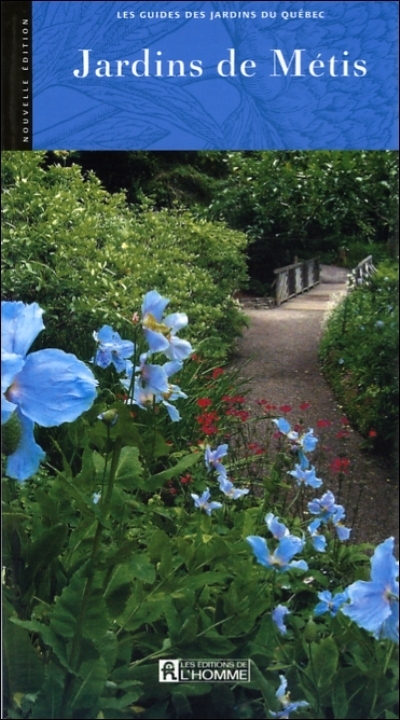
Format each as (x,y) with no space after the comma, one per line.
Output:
(154,64)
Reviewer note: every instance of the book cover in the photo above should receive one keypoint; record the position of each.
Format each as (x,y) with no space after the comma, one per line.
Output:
(129,588)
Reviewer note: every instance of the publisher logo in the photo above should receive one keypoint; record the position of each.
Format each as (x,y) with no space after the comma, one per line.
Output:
(180,671)
(168,670)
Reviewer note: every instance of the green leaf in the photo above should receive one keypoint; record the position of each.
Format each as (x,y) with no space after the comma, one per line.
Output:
(86,689)
(173,620)
(259,681)
(46,548)
(57,644)
(48,703)
(339,695)
(23,670)
(67,610)
(181,705)
(141,568)
(129,469)
(159,540)
(324,663)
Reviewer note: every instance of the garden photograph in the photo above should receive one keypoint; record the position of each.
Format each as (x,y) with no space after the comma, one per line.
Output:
(200,435)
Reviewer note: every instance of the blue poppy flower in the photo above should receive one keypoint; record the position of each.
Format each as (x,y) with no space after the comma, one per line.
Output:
(112,349)
(47,387)
(324,506)
(284,699)
(329,511)
(160,332)
(152,385)
(228,488)
(306,477)
(329,603)
(281,558)
(212,458)
(374,604)
(202,502)
(278,615)
(304,443)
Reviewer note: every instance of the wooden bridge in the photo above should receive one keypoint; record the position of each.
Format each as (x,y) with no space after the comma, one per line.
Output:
(296,279)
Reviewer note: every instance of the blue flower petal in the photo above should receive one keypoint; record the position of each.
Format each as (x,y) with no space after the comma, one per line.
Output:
(309,441)
(53,387)
(282,425)
(172,411)
(154,304)
(20,326)
(278,530)
(25,461)
(384,566)
(154,378)
(368,606)
(176,321)
(390,627)
(342,532)
(298,565)
(172,367)
(278,616)
(288,546)
(260,550)
(155,340)
(178,349)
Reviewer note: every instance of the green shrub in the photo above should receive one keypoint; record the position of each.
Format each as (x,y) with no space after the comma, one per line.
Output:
(359,352)
(88,259)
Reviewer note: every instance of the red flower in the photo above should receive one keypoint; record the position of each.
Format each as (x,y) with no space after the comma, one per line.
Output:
(269,406)
(204,402)
(344,421)
(342,434)
(209,429)
(285,408)
(340,465)
(238,399)
(323,423)
(217,372)
(243,415)
(186,479)
(304,406)
(172,491)
(196,358)
(372,434)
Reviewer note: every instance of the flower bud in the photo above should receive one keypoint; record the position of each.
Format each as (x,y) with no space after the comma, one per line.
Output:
(310,633)
(109,417)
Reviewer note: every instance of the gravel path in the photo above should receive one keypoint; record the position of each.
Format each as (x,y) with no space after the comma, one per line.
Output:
(278,357)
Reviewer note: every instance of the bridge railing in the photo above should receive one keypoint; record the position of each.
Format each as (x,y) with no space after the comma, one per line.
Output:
(361,272)
(294,279)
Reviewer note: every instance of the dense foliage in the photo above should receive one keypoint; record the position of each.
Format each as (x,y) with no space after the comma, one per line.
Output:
(144,546)
(87,257)
(359,354)
(341,206)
